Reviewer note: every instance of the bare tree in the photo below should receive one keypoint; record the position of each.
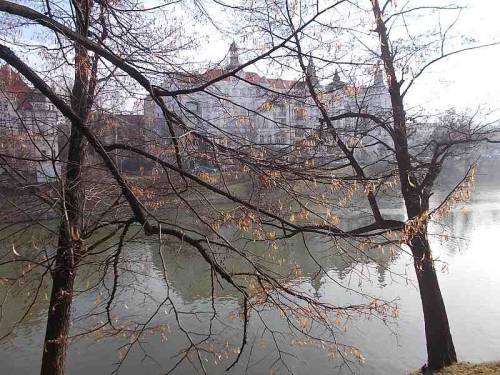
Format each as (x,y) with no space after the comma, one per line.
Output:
(304,177)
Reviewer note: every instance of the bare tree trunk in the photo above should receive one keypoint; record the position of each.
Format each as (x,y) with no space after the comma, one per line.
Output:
(440,348)
(69,243)
(64,272)
(58,320)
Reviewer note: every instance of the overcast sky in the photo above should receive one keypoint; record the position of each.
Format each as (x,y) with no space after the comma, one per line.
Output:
(466,80)
(473,77)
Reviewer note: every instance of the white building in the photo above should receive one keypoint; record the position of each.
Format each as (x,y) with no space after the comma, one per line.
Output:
(252,109)
(28,130)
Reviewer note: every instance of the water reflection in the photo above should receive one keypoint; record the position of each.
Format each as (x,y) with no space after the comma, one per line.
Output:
(473,258)
(190,275)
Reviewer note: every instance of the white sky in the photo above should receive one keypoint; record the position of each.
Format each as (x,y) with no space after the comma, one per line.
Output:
(467,80)
(472,78)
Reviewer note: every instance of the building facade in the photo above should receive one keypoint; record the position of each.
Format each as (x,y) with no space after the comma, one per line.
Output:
(242,109)
(29,126)
(252,109)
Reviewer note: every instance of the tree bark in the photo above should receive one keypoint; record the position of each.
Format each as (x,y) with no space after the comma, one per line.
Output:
(64,272)
(69,247)
(440,348)
(59,314)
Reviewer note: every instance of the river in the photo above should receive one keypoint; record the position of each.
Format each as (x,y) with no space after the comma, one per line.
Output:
(469,279)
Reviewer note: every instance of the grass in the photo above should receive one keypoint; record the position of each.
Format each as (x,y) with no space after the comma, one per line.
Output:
(466,368)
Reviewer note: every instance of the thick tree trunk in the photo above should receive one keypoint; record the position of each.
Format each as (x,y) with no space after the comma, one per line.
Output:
(58,320)
(69,243)
(440,348)
(64,271)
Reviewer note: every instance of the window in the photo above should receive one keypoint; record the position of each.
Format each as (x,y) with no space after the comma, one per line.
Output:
(4,116)
(192,111)
(38,106)
(192,107)
(300,113)
(281,109)
(280,120)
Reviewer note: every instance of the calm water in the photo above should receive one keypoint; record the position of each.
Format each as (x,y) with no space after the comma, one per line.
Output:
(470,285)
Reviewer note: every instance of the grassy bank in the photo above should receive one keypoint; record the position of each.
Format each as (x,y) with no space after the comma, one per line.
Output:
(469,369)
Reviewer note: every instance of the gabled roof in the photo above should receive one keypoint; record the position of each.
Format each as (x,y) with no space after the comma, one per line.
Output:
(12,83)
(193,79)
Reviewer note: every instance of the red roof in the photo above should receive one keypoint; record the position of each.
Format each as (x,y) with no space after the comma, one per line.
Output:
(211,74)
(12,83)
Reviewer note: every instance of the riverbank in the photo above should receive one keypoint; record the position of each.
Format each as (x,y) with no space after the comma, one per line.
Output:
(466,368)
